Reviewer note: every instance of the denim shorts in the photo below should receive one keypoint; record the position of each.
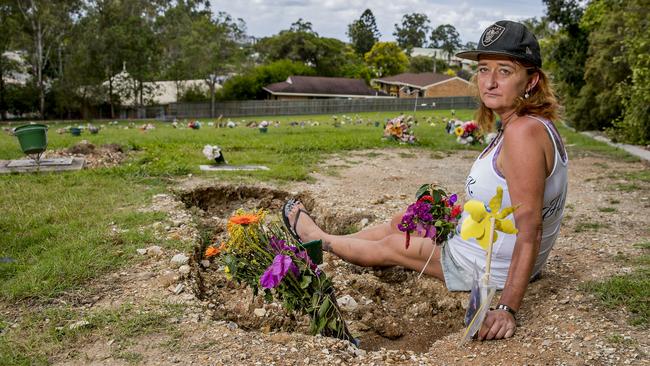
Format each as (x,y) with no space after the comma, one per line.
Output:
(457,278)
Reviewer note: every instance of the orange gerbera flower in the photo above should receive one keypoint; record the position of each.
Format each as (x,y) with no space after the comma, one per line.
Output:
(244,219)
(211,251)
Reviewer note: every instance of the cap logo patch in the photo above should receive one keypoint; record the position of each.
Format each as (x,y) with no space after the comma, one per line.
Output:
(491,34)
(528,51)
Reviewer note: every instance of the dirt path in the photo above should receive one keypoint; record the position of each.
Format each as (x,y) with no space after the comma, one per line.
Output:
(401,320)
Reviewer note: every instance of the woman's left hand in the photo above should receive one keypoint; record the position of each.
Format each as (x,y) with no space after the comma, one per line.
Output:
(498,324)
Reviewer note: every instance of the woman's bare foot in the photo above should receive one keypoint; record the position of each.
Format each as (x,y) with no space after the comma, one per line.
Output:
(305,227)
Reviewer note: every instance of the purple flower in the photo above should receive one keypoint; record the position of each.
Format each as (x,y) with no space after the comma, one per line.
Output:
(422,209)
(453,198)
(305,257)
(274,274)
(425,217)
(278,245)
(407,224)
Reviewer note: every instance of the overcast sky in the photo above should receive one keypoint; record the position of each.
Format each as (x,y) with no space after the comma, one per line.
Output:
(330,18)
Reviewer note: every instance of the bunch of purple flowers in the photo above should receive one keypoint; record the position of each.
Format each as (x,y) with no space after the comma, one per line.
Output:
(283,263)
(434,215)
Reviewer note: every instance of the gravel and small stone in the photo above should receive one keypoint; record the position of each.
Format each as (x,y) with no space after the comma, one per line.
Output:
(401,320)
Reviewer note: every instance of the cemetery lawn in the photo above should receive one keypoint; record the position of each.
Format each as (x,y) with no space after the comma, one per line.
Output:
(61,234)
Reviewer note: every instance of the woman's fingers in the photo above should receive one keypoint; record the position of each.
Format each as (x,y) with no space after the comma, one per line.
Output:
(497,325)
(485,328)
(502,332)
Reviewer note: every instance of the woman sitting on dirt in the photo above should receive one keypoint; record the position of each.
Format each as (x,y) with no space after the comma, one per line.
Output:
(526,158)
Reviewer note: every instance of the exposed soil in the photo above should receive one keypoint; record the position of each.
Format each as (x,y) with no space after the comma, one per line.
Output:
(400,319)
(103,156)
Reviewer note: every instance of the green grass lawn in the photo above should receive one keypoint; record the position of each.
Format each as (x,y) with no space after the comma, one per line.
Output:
(60,228)
(57,227)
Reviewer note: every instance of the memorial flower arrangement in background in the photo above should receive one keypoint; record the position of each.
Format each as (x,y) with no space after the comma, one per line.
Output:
(434,215)
(397,129)
(468,133)
(262,254)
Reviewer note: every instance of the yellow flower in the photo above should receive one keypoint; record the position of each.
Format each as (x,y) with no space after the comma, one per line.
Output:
(477,224)
(243,229)
(459,131)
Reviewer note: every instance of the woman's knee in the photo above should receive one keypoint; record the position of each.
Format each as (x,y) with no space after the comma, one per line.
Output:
(395,221)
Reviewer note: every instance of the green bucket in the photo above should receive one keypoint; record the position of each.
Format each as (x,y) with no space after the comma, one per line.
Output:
(314,250)
(32,138)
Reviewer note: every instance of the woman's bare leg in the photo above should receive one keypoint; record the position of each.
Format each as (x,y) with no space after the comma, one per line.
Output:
(390,250)
(380,231)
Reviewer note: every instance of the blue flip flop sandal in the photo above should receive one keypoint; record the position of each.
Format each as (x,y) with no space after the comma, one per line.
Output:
(288,206)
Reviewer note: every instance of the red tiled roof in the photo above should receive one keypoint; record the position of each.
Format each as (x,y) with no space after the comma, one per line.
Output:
(419,80)
(322,86)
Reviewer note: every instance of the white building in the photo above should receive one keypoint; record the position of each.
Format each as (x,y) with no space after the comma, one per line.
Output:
(21,75)
(156,92)
(439,54)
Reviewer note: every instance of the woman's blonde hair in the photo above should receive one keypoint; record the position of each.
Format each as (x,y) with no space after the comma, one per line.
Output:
(540,102)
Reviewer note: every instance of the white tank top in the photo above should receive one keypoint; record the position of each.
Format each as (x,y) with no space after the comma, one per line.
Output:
(481,185)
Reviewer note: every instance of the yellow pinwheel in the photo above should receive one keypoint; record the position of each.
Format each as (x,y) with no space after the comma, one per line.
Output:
(482,219)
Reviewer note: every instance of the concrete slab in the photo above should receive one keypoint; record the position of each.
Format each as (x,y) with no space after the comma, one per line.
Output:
(47,165)
(44,162)
(217,168)
(637,151)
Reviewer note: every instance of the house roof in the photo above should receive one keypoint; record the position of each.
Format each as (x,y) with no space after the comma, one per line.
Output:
(323,86)
(423,80)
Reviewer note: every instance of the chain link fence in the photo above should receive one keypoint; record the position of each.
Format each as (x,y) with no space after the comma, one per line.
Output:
(313,106)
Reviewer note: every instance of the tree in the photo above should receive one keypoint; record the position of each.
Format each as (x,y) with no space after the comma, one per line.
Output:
(363,32)
(174,28)
(328,56)
(215,49)
(634,125)
(598,103)
(249,84)
(419,64)
(386,58)
(446,37)
(44,24)
(413,31)
(567,52)
(303,26)
(541,27)
(118,36)
(7,66)
(470,45)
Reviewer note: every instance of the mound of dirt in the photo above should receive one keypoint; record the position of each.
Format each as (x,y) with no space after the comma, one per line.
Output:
(104,156)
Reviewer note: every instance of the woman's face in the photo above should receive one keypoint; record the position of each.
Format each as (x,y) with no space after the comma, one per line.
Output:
(500,82)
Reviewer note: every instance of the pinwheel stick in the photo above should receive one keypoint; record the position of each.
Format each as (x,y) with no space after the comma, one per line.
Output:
(488,262)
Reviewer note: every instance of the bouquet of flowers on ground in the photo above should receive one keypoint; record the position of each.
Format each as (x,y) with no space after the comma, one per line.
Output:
(398,130)
(195,125)
(434,215)
(468,133)
(262,254)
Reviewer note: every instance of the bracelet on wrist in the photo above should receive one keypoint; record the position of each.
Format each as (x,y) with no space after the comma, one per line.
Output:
(507,308)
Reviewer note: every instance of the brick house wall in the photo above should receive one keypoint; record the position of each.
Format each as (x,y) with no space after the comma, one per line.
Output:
(450,88)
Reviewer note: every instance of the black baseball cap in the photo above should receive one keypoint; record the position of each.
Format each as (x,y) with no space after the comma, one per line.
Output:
(507,38)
